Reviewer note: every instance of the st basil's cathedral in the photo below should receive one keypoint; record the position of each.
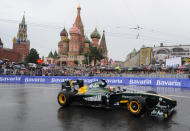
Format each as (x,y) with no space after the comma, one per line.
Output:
(73,49)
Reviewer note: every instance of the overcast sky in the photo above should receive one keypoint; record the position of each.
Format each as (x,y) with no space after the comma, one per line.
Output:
(166,21)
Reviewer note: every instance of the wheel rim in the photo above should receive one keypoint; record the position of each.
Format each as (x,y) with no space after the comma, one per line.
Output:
(62,99)
(134,107)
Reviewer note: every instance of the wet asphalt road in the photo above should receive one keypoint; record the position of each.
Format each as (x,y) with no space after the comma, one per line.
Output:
(35,108)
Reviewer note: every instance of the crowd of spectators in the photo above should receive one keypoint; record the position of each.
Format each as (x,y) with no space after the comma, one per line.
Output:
(32,69)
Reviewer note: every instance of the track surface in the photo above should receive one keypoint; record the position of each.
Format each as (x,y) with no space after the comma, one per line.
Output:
(35,108)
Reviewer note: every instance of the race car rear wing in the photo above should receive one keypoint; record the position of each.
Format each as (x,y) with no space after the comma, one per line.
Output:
(67,85)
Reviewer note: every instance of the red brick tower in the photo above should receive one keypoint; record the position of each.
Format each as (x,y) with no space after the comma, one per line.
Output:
(63,45)
(86,45)
(21,45)
(60,48)
(95,35)
(74,44)
(79,24)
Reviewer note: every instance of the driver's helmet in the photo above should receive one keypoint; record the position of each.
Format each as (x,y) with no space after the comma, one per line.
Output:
(104,83)
(111,88)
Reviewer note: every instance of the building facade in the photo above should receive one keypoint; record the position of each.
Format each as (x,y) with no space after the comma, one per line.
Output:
(158,55)
(132,59)
(161,53)
(74,45)
(145,56)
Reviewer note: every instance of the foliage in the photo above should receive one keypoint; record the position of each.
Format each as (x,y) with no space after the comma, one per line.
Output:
(76,62)
(32,56)
(84,61)
(50,55)
(93,54)
(55,54)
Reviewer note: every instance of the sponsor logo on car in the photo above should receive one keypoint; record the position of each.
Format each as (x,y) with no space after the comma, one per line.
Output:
(93,98)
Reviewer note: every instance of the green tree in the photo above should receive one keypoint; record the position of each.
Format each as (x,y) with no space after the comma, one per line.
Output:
(32,56)
(76,62)
(50,54)
(55,54)
(93,54)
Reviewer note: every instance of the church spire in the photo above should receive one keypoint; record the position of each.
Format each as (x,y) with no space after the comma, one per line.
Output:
(103,46)
(22,31)
(23,18)
(78,21)
(78,8)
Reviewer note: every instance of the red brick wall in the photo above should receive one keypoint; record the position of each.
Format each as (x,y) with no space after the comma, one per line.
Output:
(9,54)
(22,49)
(74,45)
(86,48)
(60,48)
(65,47)
(70,63)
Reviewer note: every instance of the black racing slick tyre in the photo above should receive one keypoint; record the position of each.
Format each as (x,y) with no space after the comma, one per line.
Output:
(136,106)
(63,99)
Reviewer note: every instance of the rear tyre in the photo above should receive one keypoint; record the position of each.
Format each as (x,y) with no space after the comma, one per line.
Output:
(136,106)
(63,99)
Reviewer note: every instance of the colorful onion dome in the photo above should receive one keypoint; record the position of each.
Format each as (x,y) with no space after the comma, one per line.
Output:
(74,30)
(86,40)
(66,39)
(95,34)
(63,32)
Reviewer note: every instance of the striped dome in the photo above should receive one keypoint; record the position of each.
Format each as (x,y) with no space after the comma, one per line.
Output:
(63,32)
(74,30)
(95,34)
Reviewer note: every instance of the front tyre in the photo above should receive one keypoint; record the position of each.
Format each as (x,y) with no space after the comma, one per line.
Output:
(63,99)
(136,106)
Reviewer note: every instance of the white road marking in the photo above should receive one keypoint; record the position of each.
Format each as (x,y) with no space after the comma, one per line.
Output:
(179,96)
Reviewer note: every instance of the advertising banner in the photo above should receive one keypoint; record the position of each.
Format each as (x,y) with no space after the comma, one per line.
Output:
(165,82)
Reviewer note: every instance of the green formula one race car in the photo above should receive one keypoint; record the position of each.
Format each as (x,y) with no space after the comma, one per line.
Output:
(98,94)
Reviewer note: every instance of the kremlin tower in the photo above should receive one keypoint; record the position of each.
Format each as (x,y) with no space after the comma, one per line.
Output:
(73,49)
(21,44)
